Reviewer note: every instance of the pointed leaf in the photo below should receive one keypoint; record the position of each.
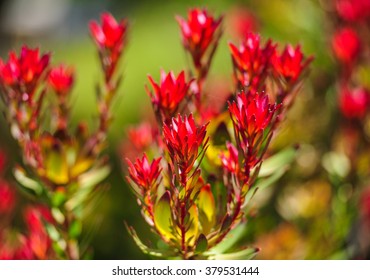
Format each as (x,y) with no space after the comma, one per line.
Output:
(230,240)
(277,162)
(245,254)
(207,209)
(163,216)
(201,244)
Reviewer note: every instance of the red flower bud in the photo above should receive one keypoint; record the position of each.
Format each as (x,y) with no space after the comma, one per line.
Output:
(143,174)
(290,63)
(346,45)
(168,95)
(61,79)
(353,10)
(183,140)
(354,103)
(251,61)
(110,34)
(198,33)
(230,161)
(23,73)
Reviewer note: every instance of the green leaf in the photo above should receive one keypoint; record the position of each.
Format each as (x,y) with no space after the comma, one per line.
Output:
(230,240)
(277,162)
(207,208)
(163,216)
(245,254)
(201,244)
(150,251)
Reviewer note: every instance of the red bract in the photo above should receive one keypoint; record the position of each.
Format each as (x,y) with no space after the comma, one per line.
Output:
(144,174)
(61,79)
(290,63)
(7,198)
(142,136)
(346,45)
(354,103)
(251,61)
(183,140)
(110,39)
(110,34)
(198,33)
(38,240)
(251,113)
(168,94)
(23,73)
(230,161)
(353,10)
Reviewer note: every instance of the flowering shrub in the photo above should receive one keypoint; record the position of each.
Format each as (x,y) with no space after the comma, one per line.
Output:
(199,187)
(62,169)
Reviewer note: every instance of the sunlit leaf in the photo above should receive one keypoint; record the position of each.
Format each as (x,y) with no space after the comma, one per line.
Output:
(245,254)
(277,162)
(26,182)
(230,240)
(207,209)
(163,216)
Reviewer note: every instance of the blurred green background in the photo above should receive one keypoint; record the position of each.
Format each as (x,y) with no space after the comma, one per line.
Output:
(154,43)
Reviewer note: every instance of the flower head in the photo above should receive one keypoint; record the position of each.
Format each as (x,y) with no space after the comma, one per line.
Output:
(353,10)
(354,103)
(251,61)
(252,113)
(183,140)
(346,45)
(23,73)
(198,33)
(61,79)
(38,240)
(168,94)
(291,63)
(110,34)
(230,160)
(143,173)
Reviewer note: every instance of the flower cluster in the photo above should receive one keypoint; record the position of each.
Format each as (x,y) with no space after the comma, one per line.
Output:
(63,167)
(196,191)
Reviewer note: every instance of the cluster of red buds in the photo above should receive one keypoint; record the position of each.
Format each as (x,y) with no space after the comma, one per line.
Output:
(63,167)
(196,190)
(348,47)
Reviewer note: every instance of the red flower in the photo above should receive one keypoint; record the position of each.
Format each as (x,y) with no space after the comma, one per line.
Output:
(354,103)
(198,33)
(61,79)
(251,61)
(290,63)
(110,39)
(169,93)
(143,174)
(183,140)
(346,45)
(7,198)
(38,240)
(110,34)
(230,161)
(142,136)
(353,10)
(23,72)
(251,113)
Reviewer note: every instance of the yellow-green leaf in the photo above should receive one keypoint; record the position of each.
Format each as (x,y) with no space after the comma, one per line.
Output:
(163,216)
(207,209)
